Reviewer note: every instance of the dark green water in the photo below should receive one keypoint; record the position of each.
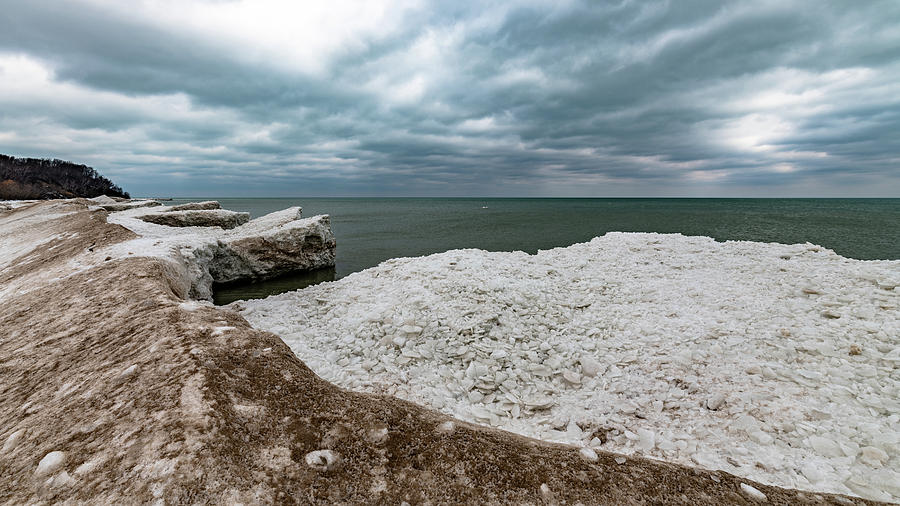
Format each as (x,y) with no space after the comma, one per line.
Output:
(371,230)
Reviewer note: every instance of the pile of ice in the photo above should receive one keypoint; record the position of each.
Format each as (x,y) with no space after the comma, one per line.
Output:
(774,362)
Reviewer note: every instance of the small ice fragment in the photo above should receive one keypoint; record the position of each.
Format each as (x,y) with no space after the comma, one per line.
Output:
(572,377)
(761,437)
(588,454)
(665,445)
(128,372)
(715,402)
(589,367)
(541,402)
(446,427)
(559,421)
(60,480)
(812,472)
(573,431)
(378,435)
(12,440)
(825,447)
(646,439)
(190,305)
(86,467)
(322,460)
(753,492)
(621,460)
(746,423)
(545,491)
(50,463)
(874,457)
(411,329)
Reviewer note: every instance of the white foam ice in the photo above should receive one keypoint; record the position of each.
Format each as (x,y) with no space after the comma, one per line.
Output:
(778,363)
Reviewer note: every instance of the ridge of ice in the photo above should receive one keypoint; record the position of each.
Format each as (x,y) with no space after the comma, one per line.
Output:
(267,246)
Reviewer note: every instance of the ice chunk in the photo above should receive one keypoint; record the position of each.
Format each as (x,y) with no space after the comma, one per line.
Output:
(646,439)
(590,367)
(825,447)
(872,456)
(322,460)
(572,377)
(588,454)
(51,463)
(746,423)
(761,437)
(812,472)
(12,441)
(716,401)
(753,492)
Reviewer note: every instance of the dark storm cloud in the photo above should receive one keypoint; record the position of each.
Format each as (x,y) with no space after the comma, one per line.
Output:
(584,98)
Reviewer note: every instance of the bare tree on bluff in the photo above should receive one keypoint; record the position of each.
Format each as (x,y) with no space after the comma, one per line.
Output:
(42,178)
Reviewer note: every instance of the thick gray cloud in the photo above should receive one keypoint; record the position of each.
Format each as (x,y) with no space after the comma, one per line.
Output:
(444,98)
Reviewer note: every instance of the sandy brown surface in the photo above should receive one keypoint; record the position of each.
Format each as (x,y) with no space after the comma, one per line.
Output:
(150,399)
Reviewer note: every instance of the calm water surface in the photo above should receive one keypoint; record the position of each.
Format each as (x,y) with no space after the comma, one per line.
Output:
(371,230)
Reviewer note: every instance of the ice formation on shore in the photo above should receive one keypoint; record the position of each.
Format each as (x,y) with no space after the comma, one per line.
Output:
(200,243)
(236,249)
(774,362)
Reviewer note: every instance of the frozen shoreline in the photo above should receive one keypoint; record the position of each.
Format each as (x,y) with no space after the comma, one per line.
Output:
(118,387)
(774,362)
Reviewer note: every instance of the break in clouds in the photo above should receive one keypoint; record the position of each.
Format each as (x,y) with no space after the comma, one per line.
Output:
(708,98)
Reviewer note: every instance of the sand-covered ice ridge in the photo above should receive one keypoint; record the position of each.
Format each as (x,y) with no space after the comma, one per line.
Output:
(774,362)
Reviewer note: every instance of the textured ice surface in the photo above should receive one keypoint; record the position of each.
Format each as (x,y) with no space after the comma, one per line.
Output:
(274,244)
(774,362)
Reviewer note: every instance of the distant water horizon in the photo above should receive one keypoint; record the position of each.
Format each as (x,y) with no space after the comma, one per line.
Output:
(370,230)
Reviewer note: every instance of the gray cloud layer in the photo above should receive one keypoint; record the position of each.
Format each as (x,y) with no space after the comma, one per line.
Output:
(584,98)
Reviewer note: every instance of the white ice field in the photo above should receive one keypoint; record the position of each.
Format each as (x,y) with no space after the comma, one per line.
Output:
(779,363)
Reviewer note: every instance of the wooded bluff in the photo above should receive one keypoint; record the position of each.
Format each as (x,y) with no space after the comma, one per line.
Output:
(41,178)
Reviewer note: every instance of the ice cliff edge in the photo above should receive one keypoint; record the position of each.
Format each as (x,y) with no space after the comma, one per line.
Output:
(219,246)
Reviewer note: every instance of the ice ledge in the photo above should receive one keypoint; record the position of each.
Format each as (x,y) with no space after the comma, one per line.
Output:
(272,245)
(221,218)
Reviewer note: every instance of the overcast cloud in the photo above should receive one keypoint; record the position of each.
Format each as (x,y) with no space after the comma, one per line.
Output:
(520,98)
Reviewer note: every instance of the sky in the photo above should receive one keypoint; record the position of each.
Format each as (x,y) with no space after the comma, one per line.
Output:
(747,98)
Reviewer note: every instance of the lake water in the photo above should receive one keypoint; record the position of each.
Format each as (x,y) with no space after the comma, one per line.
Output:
(371,230)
